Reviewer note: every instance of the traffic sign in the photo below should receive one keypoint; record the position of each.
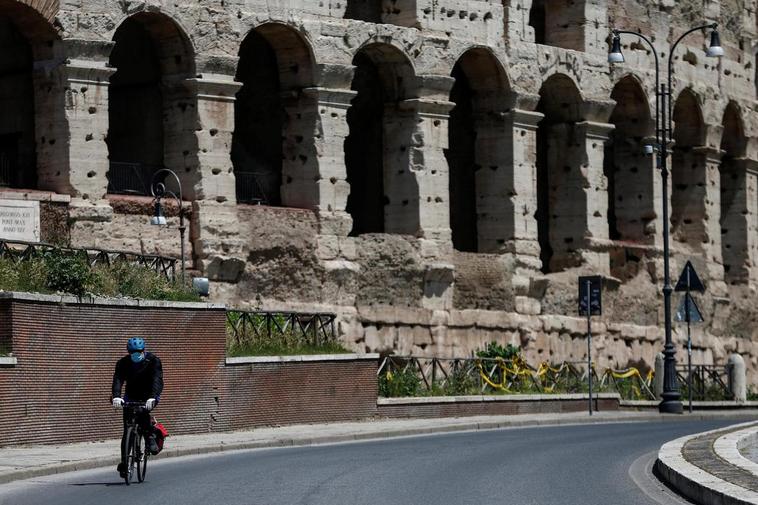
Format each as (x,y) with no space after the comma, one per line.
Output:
(689,281)
(688,311)
(590,291)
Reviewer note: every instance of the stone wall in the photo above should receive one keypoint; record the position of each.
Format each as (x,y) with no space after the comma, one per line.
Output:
(386,109)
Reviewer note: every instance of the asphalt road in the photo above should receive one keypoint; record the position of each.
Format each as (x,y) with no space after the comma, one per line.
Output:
(580,464)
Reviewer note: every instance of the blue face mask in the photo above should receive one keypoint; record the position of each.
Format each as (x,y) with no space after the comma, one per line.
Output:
(137,356)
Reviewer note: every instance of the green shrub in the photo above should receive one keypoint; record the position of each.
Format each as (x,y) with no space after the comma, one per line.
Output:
(403,382)
(67,273)
(495,350)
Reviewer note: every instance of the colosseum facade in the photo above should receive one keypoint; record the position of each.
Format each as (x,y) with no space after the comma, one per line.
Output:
(436,172)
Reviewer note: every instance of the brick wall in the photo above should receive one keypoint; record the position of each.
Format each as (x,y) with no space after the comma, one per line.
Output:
(477,407)
(60,389)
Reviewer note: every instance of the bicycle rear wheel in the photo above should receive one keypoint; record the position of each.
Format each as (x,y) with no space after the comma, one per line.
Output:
(142,454)
(130,455)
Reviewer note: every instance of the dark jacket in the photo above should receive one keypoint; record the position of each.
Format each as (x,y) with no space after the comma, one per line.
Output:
(143,380)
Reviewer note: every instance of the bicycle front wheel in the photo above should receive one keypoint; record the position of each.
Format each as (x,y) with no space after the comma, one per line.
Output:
(142,454)
(130,454)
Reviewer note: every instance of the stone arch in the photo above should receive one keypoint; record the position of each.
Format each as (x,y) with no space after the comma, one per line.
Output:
(629,172)
(378,145)
(28,99)
(561,203)
(151,106)
(688,172)
(474,148)
(737,194)
(273,137)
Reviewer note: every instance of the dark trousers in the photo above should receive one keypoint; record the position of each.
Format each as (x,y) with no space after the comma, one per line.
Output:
(145,424)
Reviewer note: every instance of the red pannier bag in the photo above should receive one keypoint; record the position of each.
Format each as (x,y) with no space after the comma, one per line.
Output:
(160,434)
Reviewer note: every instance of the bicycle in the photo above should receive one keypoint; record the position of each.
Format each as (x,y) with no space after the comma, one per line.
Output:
(135,452)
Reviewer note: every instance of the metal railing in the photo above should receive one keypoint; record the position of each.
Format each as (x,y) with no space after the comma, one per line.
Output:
(260,188)
(23,251)
(709,382)
(462,376)
(286,328)
(130,178)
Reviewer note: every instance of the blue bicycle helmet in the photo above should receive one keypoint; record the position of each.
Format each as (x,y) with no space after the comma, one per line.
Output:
(135,344)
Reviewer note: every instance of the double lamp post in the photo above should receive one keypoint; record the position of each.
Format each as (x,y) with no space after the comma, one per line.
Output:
(671,399)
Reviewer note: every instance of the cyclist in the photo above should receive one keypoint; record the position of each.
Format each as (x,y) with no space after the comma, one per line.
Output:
(143,373)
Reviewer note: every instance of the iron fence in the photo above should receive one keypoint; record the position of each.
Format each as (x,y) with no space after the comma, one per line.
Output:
(709,382)
(412,375)
(260,188)
(130,178)
(289,329)
(22,251)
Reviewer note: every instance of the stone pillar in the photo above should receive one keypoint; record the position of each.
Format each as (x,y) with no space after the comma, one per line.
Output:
(328,172)
(658,377)
(739,210)
(180,141)
(737,379)
(71,120)
(300,162)
(507,188)
(416,175)
(215,113)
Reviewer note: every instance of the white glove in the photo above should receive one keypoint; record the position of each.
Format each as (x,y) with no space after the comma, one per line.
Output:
(118,403)
(150,403)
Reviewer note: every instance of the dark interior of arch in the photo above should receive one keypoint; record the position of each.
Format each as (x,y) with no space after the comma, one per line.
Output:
(135,110)
(560,103)
(17,134)
(461,158)
(259,120)
(624,163)
(364,148)
(364,10)
(734,245)
(537,20)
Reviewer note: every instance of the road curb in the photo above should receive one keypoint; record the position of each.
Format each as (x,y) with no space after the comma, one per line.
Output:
(695,483)
(443,426)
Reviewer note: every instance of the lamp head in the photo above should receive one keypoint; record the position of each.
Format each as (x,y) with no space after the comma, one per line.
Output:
(715,49)
(158,218)
(616,56)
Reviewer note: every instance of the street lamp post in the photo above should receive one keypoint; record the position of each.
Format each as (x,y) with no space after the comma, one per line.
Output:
(158,190)
(671,399)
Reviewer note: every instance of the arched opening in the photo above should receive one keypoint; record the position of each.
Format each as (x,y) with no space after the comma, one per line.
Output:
(688,178)
(268,144)
(734,198)
(377,148)
(17,144)
(561,203)
(148,102)
(474,153)
(629,172)
(364,10)
(537,18)
(25,36)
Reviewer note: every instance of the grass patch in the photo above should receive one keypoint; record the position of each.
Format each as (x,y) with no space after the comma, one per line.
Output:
(5,351)
(277,349)
(55,271)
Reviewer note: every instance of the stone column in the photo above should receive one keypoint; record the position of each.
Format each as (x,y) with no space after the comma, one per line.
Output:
(215,95)
(327,171)
(71,121)
(737,379)
(739,211)
(712,217)
(506,185)
(180,142)
(417,175)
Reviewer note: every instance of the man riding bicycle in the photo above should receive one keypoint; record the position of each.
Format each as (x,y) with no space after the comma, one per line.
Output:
(143,373)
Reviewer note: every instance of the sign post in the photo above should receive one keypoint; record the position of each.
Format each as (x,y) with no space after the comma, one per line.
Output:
(688,312)
(590,304)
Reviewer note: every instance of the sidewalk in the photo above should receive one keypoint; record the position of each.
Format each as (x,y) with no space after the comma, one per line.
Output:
(709,467)
(25,462)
